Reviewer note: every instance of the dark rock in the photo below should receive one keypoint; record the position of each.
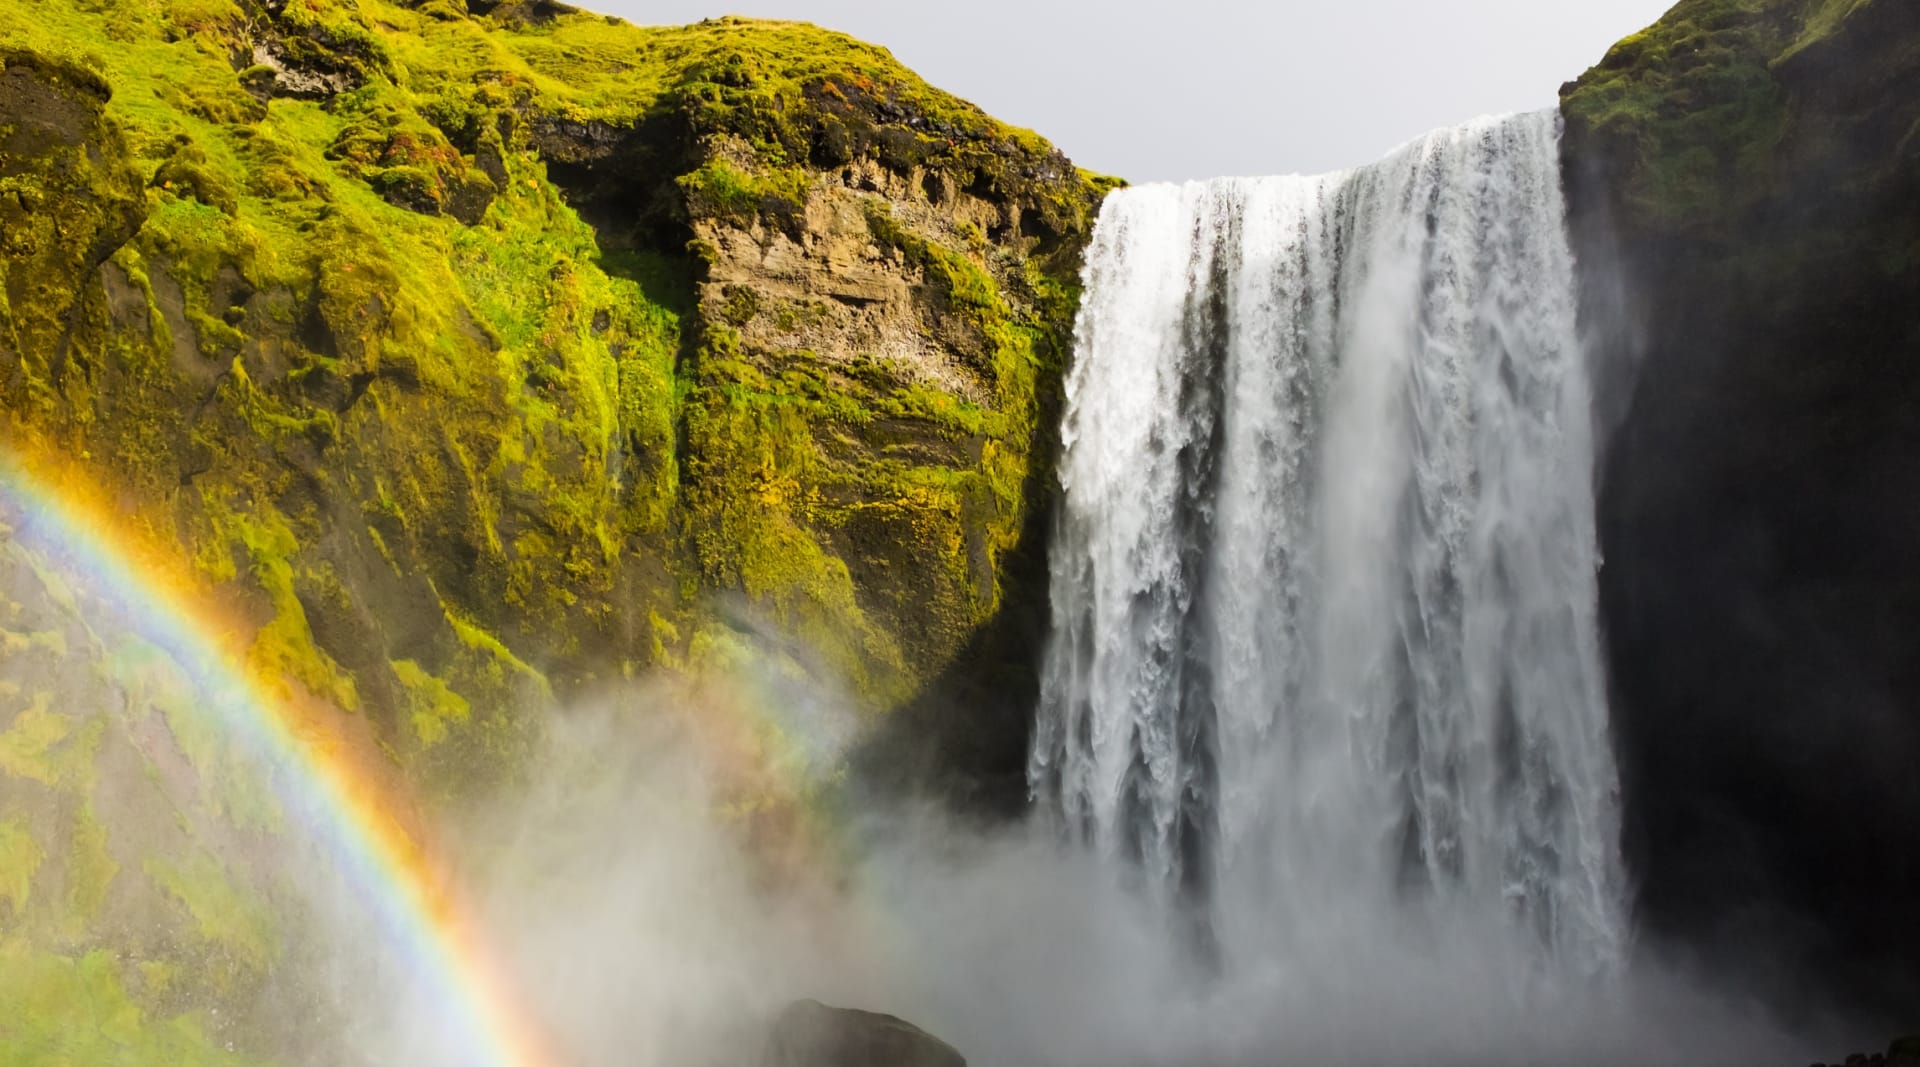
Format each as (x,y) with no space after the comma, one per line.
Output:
(1903,1052)
(300,77)
(72,198)
(811,1034)
(1746,166)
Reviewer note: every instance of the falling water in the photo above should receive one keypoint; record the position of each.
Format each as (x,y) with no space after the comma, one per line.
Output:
(1325,657)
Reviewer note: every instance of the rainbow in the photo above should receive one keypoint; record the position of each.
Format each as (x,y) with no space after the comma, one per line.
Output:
(351,809)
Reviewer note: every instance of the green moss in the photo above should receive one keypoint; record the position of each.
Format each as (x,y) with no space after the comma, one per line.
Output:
(1823,18)
(67,1010)
(422,376)
(48,747)
(20,857)
(230,782)
(237,924)
(800,468)
(51,641)
(488,646)
(753,478)
(736,75)
(285,647)
(90,870)
(723,191)
(188,172)
(432,706)
(742,305)
(1012,356)
(1694,98)
(663,638)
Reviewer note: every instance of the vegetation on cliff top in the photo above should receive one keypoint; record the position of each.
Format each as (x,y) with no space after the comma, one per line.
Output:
(386,314)
(1696,101)
(1695,97)
(340,219)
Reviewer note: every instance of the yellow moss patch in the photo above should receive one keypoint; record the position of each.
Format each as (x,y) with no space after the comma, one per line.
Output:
(432,706)
(498,655)
(226,917)
(20,857)
(90,869)
(13,644)
(47,747)
(285,648)
(63,1011)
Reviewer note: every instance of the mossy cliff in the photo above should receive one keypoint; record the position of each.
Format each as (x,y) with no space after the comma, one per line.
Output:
(480,355)
(1752,170)
(488,350)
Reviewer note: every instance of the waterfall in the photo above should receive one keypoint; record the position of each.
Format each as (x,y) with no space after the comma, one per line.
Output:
(1325,657)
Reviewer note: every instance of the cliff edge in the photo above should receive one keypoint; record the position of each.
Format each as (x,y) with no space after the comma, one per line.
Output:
(1744,179)
(470,358)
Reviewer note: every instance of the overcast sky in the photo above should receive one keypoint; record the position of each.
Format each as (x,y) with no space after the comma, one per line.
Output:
(1199,88)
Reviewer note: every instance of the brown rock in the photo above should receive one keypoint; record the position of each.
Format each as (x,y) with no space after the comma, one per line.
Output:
(811,1034)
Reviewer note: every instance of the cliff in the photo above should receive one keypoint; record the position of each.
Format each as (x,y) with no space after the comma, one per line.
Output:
(1745,186)
(475,357)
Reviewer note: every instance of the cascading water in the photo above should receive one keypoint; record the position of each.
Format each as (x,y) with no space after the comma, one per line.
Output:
(1325,660)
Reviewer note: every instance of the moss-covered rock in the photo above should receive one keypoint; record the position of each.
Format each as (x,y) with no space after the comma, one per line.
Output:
(478,355)
(1752,167)
(421,339)
(142,918)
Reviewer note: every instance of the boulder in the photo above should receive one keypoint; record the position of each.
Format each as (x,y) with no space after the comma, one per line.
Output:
(811,1034)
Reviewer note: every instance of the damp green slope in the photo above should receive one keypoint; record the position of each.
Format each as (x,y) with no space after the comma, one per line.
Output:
(300,277)
(1695,111)
(396,319)
(136,923)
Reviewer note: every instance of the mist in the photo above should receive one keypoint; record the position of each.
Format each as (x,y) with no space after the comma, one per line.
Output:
(663,890)
(687,853)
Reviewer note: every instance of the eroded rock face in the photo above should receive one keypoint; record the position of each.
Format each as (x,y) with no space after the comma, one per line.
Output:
(826,284)
(780,329)
(906,318)
(71,198)
(1753,171)
(562,352)
(810,1034)
(883,310)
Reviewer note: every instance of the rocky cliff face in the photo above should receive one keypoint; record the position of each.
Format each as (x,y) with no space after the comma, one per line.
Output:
(475,356)
(1752,169)
(506,345)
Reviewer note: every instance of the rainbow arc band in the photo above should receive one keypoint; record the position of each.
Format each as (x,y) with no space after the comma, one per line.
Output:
(349,808)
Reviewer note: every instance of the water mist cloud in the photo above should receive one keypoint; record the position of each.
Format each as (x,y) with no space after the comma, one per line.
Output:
(662,896)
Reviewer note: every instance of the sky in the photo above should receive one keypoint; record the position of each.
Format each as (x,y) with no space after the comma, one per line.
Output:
(1180,89)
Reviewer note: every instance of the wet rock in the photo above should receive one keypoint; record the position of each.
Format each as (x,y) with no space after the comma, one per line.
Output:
(290,77)
(1904,1052)
(811,1034)
(1756,506)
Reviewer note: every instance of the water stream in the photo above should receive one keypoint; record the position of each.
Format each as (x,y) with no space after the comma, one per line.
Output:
(1325,664)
